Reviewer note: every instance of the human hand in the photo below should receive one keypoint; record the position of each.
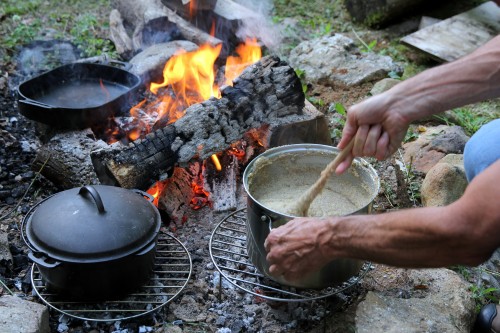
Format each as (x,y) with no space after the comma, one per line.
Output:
(378,127)
(297,247)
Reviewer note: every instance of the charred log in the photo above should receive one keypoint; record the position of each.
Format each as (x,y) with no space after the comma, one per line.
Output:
(263,94)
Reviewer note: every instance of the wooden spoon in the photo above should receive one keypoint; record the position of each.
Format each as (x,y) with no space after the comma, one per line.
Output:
(301,206)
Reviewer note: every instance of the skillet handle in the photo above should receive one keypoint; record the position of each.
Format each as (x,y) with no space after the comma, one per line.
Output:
(30,102)
(95,195)
(125,65)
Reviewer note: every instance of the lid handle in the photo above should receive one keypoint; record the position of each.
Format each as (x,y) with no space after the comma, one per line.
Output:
(148,196)
(95,195)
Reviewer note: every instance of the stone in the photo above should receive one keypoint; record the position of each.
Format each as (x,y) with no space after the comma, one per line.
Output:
(189,310)
(445,182)
(20,316)
(432,145)
(334,60)
(171,329)
(5,254)
(383,85)
(436,300)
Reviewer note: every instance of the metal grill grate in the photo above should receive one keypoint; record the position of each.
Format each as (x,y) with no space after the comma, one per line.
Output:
(229,255)
(172,271)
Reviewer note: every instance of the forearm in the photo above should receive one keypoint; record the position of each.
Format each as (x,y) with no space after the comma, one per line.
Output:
(473,78)
(465,232)
(410,238)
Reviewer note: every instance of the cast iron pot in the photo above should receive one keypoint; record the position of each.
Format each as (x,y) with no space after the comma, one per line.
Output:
(78,95)
(94,242)
(288,164)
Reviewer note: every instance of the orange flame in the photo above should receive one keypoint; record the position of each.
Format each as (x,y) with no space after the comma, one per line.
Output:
(155,191)
(192,8)
(216,161)
(190,76)
(248,53)
(103,88)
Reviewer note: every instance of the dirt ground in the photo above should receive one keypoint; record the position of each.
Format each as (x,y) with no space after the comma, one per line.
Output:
(21,186)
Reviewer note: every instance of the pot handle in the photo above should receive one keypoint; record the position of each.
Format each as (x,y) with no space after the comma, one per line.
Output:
(265,218)
(42,260)
(31,102)
(95,195)
(144,194)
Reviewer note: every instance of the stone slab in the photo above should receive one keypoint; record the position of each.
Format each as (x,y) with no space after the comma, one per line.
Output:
(20,316)
(459,35)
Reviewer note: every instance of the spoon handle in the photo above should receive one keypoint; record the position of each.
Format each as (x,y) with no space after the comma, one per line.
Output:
(302,205)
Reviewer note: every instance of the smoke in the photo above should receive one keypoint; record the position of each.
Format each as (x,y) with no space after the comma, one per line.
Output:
(259,26)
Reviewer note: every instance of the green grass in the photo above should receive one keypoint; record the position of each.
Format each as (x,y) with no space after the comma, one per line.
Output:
(320,17)
(471,118)
(25,21)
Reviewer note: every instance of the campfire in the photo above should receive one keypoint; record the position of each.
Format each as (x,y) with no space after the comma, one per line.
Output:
(188,78)
(188,136)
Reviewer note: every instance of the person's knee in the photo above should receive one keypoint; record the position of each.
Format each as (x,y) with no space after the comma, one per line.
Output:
(482,149)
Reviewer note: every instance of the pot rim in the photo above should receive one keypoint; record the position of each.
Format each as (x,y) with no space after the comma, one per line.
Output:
(305,147)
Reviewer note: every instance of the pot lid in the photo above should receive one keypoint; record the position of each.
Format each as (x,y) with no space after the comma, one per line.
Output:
(93,223)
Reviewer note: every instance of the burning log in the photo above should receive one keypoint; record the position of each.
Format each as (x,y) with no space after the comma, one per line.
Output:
(268,92)
(152,15)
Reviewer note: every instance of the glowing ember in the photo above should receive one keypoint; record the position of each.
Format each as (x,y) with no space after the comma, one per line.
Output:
(201,197)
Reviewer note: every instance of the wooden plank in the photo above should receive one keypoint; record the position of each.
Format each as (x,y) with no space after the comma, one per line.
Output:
(459,35)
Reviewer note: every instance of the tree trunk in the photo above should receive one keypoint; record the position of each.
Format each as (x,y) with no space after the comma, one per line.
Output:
(263,94)
(378,13)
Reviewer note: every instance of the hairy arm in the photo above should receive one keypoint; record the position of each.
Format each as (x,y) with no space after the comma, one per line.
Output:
(378,124)
(465,232)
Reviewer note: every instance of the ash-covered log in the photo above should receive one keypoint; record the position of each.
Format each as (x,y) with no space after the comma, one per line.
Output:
(268,92)
(65,161)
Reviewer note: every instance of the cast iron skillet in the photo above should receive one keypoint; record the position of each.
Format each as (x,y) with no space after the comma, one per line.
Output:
(78,95)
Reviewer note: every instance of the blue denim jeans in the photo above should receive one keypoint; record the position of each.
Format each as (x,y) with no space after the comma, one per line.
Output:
(483,149)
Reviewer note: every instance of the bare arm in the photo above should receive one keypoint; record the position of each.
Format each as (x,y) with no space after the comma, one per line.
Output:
(465,232)
(380,122)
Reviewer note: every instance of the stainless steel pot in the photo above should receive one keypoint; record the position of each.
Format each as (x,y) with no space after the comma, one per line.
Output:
(95,242)
(285,164)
